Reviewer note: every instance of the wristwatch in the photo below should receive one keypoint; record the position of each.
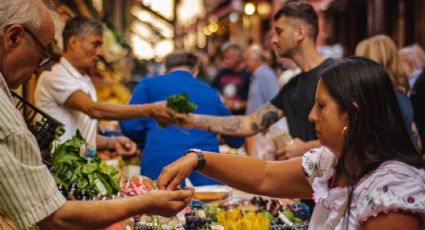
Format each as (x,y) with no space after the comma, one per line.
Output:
(201,158)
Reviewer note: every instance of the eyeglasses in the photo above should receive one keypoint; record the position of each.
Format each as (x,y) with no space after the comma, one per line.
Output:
(46,55)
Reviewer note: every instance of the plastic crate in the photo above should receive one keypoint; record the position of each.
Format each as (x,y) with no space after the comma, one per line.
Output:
(41,125)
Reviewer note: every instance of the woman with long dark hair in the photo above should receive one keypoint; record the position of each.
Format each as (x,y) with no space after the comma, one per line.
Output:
(366,175)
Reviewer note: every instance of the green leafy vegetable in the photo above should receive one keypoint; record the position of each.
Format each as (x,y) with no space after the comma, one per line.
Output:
(69,168)
(180,103)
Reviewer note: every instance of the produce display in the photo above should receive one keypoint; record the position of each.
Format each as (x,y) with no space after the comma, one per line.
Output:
(238,219)
(137,185)
(81,175)
(259,213)
(86,176)
(195,221)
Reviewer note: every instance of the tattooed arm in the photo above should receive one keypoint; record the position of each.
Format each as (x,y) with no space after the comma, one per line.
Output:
(247,125)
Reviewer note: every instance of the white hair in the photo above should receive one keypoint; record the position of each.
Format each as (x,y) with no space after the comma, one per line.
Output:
(25,12)
(257,52)
(415,55)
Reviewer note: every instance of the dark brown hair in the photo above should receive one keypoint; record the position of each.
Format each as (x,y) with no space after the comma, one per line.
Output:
(302,11)
(181,58)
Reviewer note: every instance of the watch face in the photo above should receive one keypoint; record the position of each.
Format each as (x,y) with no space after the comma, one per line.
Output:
(201,158)
(194,150)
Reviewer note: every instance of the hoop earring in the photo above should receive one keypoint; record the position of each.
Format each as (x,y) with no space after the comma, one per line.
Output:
(344,131)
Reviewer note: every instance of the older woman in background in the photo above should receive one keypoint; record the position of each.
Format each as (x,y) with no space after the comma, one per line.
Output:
(382,49)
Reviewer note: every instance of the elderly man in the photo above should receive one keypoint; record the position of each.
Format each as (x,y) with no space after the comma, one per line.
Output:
(68,92)
(264,85)
(28,193)
(296,28)
(413,59)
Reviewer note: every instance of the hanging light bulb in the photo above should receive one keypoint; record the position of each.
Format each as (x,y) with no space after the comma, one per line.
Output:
(249,8)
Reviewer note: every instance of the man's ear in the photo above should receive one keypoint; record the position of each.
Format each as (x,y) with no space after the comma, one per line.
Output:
(301,33)
(13,36)
(72,42)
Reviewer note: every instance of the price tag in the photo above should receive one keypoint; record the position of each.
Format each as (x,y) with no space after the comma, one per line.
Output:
(100,186)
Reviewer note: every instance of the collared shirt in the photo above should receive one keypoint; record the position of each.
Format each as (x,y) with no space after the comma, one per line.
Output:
(28,192)
(263,87)
(415,77)
(53,90)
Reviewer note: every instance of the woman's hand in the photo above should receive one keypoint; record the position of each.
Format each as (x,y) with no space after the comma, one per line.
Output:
(173,174)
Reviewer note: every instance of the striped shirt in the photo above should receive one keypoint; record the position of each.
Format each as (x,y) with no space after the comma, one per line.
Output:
(28,192)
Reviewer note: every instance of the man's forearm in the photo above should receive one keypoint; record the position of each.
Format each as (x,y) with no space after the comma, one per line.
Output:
(95,214)
(108,111)
(239,125)
(102,110)
(234,125)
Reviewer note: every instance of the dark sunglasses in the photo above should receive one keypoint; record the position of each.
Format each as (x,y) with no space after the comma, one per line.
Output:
(46,55)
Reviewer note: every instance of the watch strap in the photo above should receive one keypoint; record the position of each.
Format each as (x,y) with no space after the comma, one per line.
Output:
(201,158)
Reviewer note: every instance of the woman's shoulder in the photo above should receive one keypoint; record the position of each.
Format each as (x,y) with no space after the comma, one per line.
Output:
(392,187)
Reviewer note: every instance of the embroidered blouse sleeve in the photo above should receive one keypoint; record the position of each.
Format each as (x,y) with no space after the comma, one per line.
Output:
(393,187)
(317,162)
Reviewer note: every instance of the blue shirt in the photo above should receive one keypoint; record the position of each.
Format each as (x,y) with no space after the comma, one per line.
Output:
(407,114)
(263,87)
(163,146)
(415,77)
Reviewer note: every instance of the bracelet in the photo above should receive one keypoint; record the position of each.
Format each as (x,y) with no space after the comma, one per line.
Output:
(201,158)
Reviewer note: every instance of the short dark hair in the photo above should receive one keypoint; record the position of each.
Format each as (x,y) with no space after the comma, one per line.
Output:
(376,131)
(79,26)
(181,59)
(303,11)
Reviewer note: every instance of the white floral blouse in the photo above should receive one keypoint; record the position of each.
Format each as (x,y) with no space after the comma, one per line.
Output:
(393,186)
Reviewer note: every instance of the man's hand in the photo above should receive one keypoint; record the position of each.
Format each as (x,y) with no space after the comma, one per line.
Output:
(295,148)
(167,203)
(184,120)
(162,113)
(124,146)
(173,174)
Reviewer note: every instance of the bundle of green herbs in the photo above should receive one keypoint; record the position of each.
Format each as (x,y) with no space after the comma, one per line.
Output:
(92,175)
(179,103)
